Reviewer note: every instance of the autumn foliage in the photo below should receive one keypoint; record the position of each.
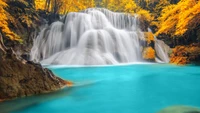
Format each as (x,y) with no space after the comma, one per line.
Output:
(127,6)
(174,19)
(149,53)
(4,22)
(64,6)
(40,4)
(149,37)
(186,54)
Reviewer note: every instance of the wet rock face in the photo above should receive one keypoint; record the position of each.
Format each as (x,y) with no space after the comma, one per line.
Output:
(21,78)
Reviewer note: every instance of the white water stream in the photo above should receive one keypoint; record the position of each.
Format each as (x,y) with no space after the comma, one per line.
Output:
(95,36)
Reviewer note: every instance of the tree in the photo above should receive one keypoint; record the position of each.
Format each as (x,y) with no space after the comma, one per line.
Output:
(174,19)
(64,6)
(4,22)
(40,4)
(126,6)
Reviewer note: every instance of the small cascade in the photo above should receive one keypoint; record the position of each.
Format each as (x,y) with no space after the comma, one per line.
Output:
(161,49)
(95,36)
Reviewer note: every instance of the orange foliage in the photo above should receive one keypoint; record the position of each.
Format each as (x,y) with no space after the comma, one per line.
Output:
(40,4)
(4,24)
(149,53)
(179,60)
(75,5)
(175,18)
(161,4)
(127,6)
(149,37)
(66,6)
(145,14)
(179,55)
(185,54)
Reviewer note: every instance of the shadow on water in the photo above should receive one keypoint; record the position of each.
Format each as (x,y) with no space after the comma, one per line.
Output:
(26,102)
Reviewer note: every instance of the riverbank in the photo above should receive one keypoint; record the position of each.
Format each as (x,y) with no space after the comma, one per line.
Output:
(19,78)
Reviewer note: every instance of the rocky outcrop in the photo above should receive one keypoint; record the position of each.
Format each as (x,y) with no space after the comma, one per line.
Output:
(19,77)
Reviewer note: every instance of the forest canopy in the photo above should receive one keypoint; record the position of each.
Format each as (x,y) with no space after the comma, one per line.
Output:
(168,17)
(65,6)
(175,19)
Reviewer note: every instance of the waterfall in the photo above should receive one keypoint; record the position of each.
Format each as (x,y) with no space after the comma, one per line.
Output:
(162,50)
(94,36)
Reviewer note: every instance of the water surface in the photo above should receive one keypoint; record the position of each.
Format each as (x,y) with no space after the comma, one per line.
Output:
(141,88)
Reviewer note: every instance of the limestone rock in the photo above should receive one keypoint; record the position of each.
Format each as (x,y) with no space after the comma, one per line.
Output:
(20,78)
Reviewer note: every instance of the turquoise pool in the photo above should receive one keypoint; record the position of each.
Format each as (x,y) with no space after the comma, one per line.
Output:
(141,88)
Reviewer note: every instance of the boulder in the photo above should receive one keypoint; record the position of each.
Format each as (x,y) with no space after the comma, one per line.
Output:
(19,77)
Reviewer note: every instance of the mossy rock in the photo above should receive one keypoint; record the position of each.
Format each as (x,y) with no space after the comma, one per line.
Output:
(180,109)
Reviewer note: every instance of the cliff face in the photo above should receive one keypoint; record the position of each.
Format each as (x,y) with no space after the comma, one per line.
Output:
(19,77)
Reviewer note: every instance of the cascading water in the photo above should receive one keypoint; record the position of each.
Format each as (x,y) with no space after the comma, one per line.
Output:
(92,37)
(162,50)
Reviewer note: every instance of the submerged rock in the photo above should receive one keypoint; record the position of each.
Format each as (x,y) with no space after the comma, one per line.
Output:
(180,109)
(19,77)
